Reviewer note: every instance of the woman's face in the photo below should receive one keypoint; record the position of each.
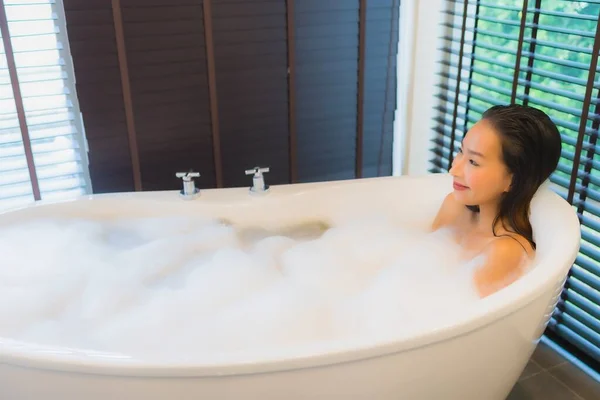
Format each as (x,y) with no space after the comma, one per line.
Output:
(480,176)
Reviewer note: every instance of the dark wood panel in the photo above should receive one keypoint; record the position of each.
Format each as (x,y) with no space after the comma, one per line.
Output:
(186,41)
(251,49)
(162,98)
(329,153)
(88,16)
(110,166)
(165,86)
(101,129)
(178,138)
(317,31)
(164,57)
(143,72)
(320,81)
(244,23)
(251,36)
(248,9)
(306,92)
(231,64)
(251,63)
(105,75)
(339,17)
(386,4)
(253,91)
(159,3)
(166,53)
(274,72)
(327,38)
(327,42)
(92,100)
(153,126)
(104,91)
(168,74)
(91,61)
(257,150)
(382,27)
(104,121)
(326,5)
(255,123)
(253,110)
(86,4)
(162,28)
(375,68)
(335,107)
(331,67)
(338,138)
(91,48)
(179,109)
(347,124)
(89,33)
(375,14)
(162,13)
(337,55)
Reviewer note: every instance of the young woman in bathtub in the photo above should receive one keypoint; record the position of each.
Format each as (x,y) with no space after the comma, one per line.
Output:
(503,160)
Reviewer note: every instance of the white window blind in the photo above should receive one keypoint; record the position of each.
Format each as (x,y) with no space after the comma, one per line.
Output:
(44,76)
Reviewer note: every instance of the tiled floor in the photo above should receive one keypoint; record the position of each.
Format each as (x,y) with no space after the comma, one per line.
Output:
(550,376)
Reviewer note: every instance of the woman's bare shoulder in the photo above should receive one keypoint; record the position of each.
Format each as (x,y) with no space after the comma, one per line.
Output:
(448,212)
(504,264)
(516,242)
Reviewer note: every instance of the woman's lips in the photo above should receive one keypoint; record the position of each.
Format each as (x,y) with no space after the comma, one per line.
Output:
(458,186)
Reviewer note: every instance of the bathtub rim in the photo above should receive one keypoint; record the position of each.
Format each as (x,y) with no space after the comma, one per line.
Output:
(489,311)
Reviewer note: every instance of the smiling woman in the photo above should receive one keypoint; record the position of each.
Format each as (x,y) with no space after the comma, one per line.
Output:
(504,159)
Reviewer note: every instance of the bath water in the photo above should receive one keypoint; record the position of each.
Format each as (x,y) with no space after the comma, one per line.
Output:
(201,290)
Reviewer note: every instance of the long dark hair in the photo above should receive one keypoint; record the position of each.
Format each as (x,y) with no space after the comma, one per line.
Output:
(531,147)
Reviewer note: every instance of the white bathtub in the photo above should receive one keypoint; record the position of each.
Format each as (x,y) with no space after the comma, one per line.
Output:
(479,356)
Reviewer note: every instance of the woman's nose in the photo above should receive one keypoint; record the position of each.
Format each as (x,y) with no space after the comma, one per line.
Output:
(456,168)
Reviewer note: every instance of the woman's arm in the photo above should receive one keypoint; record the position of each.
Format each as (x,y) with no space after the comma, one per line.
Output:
(446,214)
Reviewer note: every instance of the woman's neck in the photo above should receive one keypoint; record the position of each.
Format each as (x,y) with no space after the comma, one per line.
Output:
(485,219)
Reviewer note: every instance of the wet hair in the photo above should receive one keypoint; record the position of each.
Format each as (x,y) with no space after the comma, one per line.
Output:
(531,147)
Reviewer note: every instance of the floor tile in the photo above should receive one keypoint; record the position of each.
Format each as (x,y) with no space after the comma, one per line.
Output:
(546,357)
(530,369)
(580,382)
(542,386)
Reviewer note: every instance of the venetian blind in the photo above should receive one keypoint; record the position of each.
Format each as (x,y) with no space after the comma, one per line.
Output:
(543,53)
(42,148)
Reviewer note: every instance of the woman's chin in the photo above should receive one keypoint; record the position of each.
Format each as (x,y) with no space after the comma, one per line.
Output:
(460,196)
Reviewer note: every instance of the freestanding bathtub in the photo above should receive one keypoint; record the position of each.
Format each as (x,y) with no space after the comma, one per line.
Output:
(477,356)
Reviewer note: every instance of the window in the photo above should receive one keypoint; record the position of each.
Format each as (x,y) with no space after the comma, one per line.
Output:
(544,55)
(42,146)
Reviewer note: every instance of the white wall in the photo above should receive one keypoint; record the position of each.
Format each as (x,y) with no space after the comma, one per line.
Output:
(420,22)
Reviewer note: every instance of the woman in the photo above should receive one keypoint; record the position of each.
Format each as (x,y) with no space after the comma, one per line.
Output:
(504,159)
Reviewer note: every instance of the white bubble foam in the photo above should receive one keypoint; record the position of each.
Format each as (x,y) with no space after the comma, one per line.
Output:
(200,290)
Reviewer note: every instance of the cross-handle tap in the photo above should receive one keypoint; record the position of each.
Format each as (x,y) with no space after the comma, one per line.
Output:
(189,190)
(258,179)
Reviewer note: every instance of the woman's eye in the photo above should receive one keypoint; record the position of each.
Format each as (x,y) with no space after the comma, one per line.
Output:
(472,162)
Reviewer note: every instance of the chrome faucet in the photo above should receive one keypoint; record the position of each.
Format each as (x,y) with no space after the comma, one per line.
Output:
(189,190)
(258,180)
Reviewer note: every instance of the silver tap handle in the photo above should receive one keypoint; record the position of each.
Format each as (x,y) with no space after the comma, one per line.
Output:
(257,171)
(187,176)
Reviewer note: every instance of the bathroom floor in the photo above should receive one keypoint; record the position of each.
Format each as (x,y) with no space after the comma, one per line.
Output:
(551,376)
